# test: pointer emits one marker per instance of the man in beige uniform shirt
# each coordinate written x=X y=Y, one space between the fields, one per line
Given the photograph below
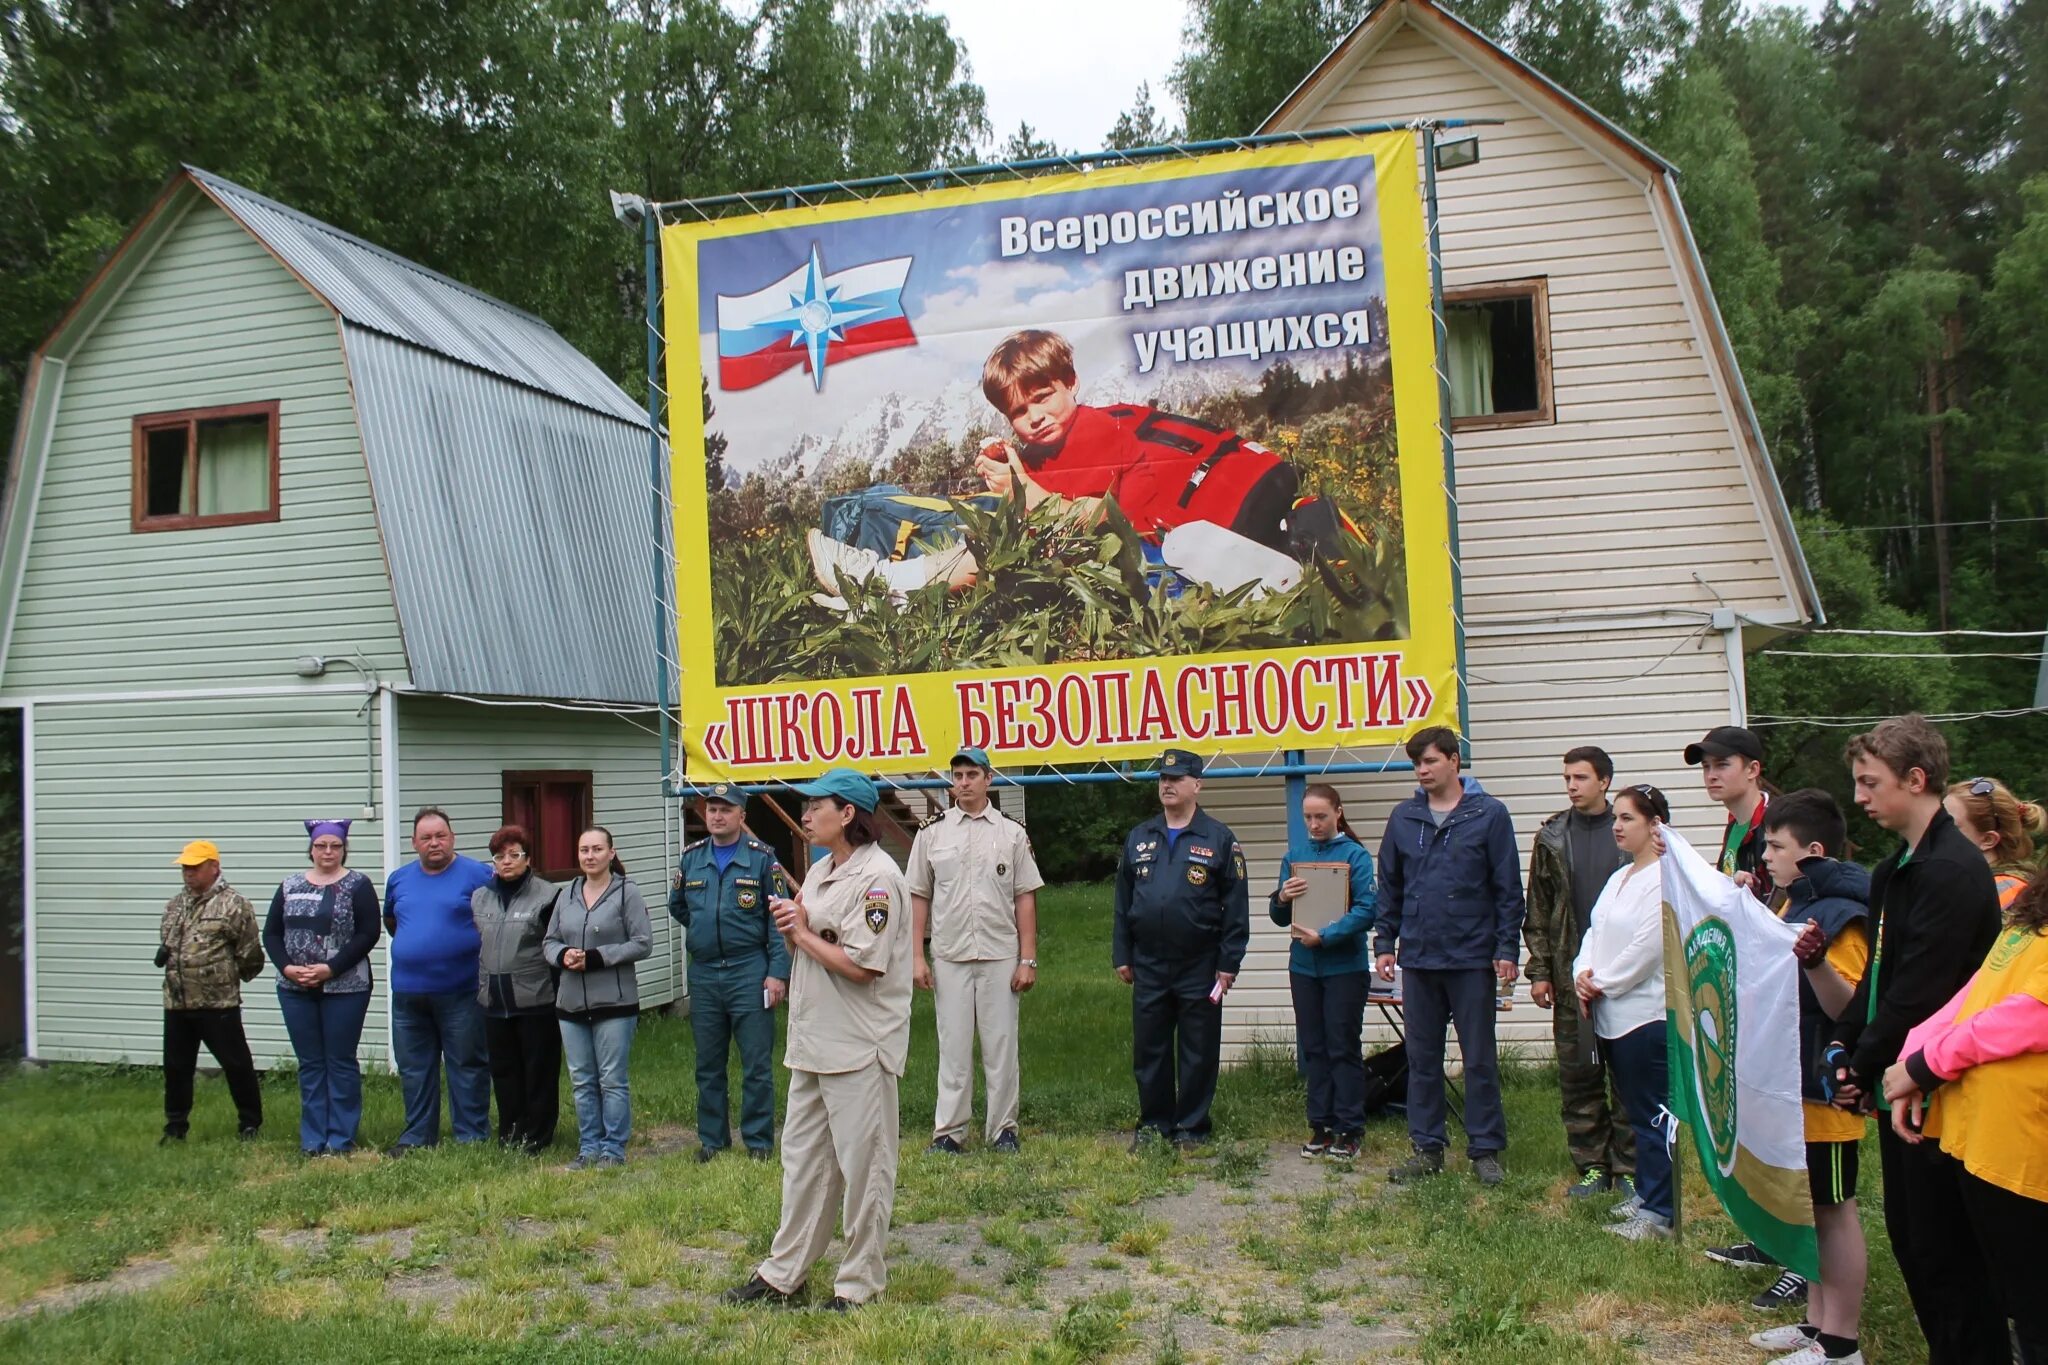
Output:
x=974 y=889
x=849 y=1033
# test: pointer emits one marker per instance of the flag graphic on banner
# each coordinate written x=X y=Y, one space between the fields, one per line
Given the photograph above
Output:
x=1731 y=1000
x=812 y=319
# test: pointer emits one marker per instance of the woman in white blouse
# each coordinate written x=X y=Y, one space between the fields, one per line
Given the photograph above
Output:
x=1619 y=974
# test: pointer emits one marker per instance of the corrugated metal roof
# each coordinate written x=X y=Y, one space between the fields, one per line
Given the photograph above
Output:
x=383 y=292
x=522 y=554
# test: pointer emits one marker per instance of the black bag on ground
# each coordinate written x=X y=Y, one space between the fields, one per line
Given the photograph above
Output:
x=1386 y=1078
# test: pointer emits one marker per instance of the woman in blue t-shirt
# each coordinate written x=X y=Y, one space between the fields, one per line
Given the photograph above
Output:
x=1329 y=970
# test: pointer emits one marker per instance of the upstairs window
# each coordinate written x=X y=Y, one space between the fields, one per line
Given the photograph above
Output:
x=206 y=467
x=554 y=809
x=1499 y=354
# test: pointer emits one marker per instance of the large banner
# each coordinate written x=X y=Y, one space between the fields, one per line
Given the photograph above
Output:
x=1068 y=468
x=1731 y=999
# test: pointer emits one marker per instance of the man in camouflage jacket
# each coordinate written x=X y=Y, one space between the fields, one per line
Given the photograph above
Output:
x=1575 y=853
x=208 y=945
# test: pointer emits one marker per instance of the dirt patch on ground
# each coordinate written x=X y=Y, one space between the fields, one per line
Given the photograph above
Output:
x=139 y=1274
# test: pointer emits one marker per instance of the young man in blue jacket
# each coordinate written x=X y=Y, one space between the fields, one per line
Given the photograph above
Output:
x=1450 y=911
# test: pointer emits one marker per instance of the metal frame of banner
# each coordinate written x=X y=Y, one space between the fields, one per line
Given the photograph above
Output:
x=668 y=667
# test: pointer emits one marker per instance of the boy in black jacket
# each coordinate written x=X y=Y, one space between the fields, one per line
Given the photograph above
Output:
x=1937 y=915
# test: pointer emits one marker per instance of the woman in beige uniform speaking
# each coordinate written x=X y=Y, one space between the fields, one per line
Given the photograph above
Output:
x=849 y=1032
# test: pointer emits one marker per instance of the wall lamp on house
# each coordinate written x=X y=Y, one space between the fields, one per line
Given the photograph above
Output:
x=316 y=666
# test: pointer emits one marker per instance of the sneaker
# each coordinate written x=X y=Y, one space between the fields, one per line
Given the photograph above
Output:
x=1487 y=1170
x=758 y=1290
x=1627 y=1208
x=1790 y=1337
x=945 y=1144
x=609 y=1162
x=760 y=1154
x=1743 y=1256
x=839 y=1303
x=1422 y=1163
x=1593 y=1182
x=1317 y=1144
x=1146 y=1137
x=1343 y=1149
x=1006 y=1141
x=1812 y=1354
x=583 y=1162
x=832 y=560
x=1787 y=1291
x=1643 y=1227
x=1625 y=1186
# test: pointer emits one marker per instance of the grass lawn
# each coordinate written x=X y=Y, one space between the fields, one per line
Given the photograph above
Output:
x=114 y=1249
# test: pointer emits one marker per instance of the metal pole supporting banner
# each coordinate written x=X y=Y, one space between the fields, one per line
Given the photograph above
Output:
x=657 y=479
x=1443 y=400
x=1297 y=786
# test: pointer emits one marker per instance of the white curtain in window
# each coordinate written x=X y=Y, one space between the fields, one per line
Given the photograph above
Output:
x=1471 y=360
x=234 y=466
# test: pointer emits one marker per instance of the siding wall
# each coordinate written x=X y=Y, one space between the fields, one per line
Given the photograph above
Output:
x=454 y=755
x=1608 y=511
x=120 y=787
x=212 y=320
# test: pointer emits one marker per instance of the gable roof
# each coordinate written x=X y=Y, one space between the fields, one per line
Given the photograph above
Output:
x=374 y=288
x=1350 y=51
x=1301 y=107
x=509 y=474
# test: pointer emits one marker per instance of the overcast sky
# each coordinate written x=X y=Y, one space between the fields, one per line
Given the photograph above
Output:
x=1069 y=67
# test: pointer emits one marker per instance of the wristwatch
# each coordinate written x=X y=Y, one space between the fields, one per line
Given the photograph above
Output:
x=1030 y=962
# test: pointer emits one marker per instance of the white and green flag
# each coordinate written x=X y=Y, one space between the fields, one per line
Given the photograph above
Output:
x=1731 y=1002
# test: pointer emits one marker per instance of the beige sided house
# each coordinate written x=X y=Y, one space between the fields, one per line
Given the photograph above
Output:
x=1623 y=536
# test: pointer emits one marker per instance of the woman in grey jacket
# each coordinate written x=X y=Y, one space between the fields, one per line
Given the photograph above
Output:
x=600 y=929
x=516 y=987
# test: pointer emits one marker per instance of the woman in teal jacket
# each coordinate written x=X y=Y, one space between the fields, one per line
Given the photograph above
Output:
x=1329 y=973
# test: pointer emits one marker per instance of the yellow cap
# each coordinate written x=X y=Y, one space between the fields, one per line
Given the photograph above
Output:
x=197 y=852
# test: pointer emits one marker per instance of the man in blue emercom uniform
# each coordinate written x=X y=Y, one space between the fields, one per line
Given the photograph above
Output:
x=739 y=969
x=1183 y=920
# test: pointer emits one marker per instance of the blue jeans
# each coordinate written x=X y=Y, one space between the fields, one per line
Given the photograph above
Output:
x=324 y=1028
x=1641 y=1075
x=597 y=1051
x=1433 y=1000
x=425 y=1029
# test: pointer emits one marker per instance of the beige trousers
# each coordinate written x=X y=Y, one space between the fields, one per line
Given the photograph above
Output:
x=971 y=996
x=839 y=1143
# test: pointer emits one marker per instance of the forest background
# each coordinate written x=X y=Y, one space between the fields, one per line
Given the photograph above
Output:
x=1869 y=187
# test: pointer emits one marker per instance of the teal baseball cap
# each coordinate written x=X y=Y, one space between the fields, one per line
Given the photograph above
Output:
x=978 y=757
x=856 y=789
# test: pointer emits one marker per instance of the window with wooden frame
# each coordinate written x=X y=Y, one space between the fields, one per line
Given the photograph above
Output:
x=205 y=467
x=1499 y=354
x=553 y=806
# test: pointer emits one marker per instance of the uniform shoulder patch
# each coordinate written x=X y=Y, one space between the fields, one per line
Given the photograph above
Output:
x=756 y=844
x=696 y=843
x=877 y=913
x=934 y=818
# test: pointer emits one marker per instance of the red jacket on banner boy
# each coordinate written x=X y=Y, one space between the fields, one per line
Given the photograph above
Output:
x=1163 y=470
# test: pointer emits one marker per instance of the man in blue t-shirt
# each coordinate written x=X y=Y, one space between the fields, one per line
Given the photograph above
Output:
x=435 y=1014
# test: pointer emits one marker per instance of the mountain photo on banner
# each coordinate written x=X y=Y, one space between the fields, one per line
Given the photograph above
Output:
x=939 y=449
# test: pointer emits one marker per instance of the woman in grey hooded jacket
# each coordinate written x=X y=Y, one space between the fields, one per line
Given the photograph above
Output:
x=516 y=987
x=599 y=930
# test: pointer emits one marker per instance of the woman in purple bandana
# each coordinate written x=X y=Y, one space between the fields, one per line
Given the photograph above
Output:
x=321 y=927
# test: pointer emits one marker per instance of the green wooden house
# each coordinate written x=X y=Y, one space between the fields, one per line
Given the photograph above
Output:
x=295 y=527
